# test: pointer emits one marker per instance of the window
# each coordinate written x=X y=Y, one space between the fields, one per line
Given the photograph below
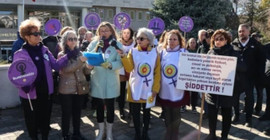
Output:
x=110 y=13
x=140 y=15
x=132 y=14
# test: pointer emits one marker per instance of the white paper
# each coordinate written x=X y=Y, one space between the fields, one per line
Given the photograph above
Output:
x=150 y=104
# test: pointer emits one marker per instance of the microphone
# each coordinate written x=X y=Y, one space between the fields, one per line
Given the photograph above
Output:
x=101 y=42
x=114 y=44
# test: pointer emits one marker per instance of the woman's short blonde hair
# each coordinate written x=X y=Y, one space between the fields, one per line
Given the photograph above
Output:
x=27 y=26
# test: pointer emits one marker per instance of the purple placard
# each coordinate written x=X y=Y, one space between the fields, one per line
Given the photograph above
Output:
x=122 y=20
x=157 y=25
x=92 y=20
x=52 y=27
x=22 y=73
x=185 y=24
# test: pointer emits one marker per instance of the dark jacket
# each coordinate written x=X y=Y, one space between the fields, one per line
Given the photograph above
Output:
x=204 y=48
x=52 y=43
x=250 y=60
x=16 y=45
x=267 y=64
x=220 y=100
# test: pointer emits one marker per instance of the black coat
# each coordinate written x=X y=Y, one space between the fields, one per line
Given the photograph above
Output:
x=220 y=100
x=266 y=49
x=204 y=48
x=250 y=61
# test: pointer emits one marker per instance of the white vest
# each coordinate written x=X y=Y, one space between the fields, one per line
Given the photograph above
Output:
x=142 y=77
x=169 y=69
x=126 y=50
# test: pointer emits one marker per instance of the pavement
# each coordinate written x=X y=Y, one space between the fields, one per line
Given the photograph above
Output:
x=12 y=125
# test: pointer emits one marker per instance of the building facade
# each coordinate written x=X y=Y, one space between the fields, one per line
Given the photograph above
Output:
x=69 y=12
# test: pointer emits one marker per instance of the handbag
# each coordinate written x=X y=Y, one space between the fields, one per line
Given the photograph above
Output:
x=82 y=86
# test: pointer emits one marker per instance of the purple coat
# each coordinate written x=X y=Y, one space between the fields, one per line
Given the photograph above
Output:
x=50 y=63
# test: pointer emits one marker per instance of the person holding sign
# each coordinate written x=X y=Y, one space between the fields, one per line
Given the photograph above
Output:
x=143 y=63
x=36 y=97
x=220 y=45
x=171 y=99
x=105 y=78
x=73 y=77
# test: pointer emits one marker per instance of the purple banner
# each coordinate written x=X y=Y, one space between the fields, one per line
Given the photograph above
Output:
x=185 y=24
x=22 y=73
x=92 y=20
x=52 y=27
x=122 y=20
x=157 y=25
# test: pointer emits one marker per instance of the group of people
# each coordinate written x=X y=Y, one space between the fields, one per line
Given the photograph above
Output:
x=135 y=60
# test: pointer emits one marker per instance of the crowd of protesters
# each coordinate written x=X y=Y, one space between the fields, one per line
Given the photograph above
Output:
x=133 y=61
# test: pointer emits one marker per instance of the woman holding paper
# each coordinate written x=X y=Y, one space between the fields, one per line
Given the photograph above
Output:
x=143 y=63
x=171 y=99
x=37 y=114
x=73 y=77
x=220 y=45
x=105 y=78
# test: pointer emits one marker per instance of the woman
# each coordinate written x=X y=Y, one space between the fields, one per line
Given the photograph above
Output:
x=192 y=48
x=105 y=78
x=128 y=43
x=170 y=98
x=42 y=88
x=143 y=63
x=70 y=76
x=220 y=45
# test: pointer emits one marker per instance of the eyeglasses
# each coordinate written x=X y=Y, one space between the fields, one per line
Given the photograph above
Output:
x=219 y=39
x=35 y=33
x=104 y=31
x=173 y=39
x=72 y=39
x=140 y=38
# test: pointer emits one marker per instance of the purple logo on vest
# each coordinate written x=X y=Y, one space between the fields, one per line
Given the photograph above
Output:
x=144 y=70
x=92 y=20
x=157 y=25
x=22 y=73
x=52 y=27
x=185 y=24
x=122 y=20
x=170 y=71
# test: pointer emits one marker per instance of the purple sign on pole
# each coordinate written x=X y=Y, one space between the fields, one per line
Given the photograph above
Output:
x=185 y=24
x=92 y=20
x=52 y=27
x=122 y=20
x=22 y=73
x=157 y=25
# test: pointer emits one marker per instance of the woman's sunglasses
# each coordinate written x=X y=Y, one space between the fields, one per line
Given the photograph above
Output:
x=72 y=39
x=35 y=33
x=220 y=39
x=140 y=38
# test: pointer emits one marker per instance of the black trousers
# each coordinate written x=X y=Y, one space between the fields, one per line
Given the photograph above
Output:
x=226 y=120
x=109 y=107
x=172 y=122
x=259 y=91
x=71 y=108
x=244 y=85
x=194 y=98
x=136 y=109
x=121 y=98
x=39 y=118
x=267 y=110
